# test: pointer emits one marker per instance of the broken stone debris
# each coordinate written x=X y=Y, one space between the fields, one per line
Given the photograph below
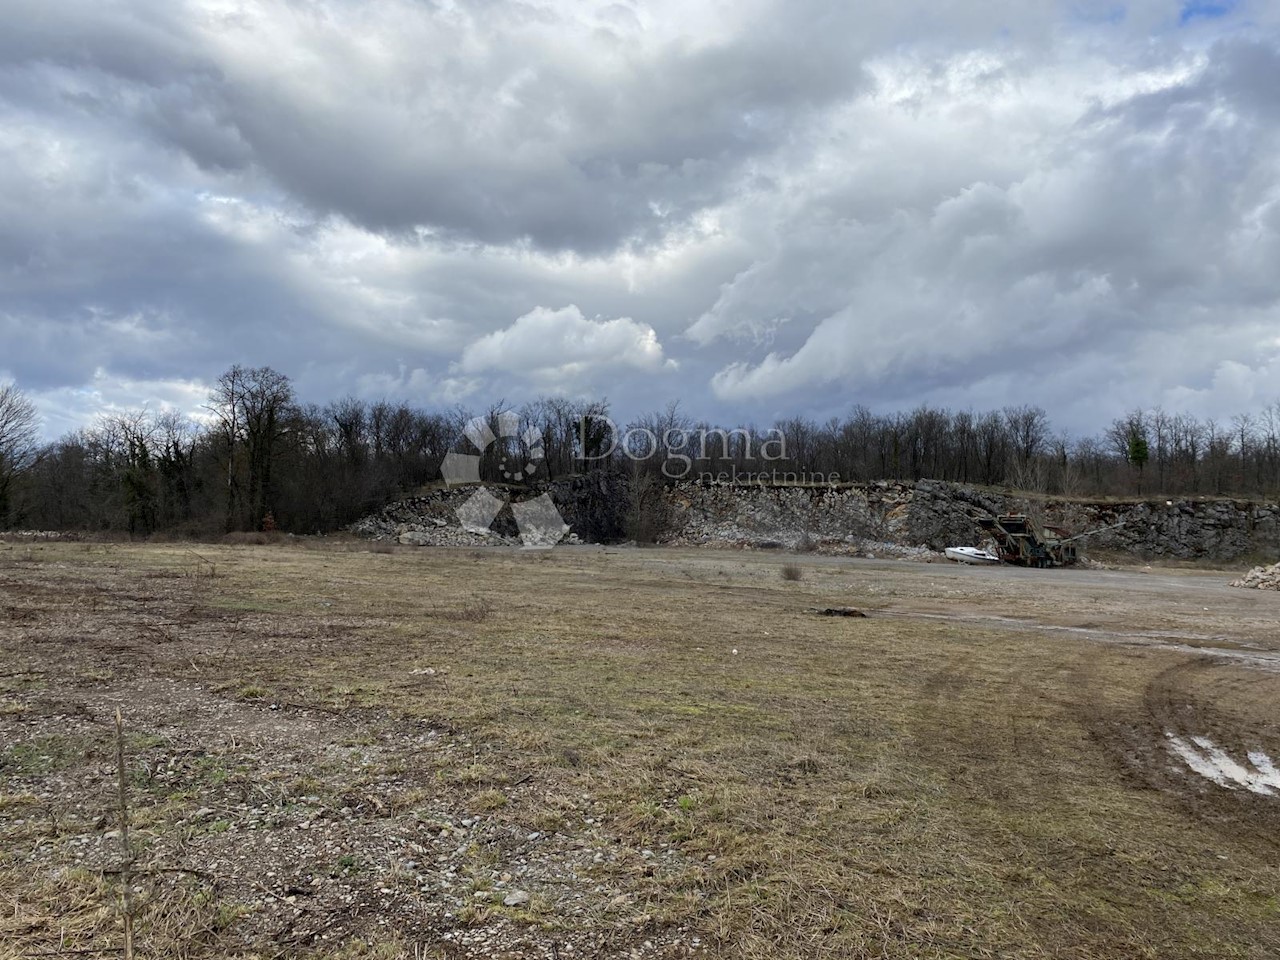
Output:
x=1260 y=578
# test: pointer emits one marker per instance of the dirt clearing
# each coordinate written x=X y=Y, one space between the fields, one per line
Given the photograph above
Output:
x=620 y=753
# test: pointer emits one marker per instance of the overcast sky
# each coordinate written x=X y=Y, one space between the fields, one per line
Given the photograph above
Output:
x=761 y=207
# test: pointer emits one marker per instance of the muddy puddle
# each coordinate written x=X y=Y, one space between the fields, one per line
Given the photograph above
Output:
x=1255 y=772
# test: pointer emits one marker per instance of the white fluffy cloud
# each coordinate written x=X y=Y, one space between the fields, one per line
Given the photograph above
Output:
x=558 y=348
x=758 y=207
x=66 y=409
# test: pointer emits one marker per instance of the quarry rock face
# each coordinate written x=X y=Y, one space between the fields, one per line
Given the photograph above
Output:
x=1183 y=529
x=1176 y=529
x=870 y=520
x=884 y=518
x=931 y=515
x=942 y=515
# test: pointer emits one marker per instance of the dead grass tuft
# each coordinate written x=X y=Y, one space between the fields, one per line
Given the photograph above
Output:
x=487 y=800
x=77 y=911
x=471 y=610
x=254 y=538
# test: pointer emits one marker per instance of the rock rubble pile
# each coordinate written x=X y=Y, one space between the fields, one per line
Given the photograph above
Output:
x=431 y=521
x=593 y=506
x=1260 y=578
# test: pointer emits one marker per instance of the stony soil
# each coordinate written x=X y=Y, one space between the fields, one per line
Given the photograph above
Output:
x=316 y=826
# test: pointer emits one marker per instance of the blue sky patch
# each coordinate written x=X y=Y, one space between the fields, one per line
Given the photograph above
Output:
x=1206 y=9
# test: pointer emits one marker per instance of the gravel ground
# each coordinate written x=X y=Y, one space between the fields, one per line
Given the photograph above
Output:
x=316 y=826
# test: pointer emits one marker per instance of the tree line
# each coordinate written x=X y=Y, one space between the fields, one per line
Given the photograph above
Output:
x=258 y=458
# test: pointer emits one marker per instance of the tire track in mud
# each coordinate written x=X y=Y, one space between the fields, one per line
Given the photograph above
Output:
x=1220 y=691
x=1179 y=642
x=1203 y=697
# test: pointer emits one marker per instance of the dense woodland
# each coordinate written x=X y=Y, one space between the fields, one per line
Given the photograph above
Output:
x=258 y=457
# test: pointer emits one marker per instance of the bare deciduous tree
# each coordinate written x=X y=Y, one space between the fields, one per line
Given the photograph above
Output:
x=251 y=407
x=18 y=443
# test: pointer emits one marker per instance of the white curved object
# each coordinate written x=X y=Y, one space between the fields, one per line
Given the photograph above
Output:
x=970 y=555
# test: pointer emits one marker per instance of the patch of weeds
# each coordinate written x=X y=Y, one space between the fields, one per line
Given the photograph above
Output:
x=546 y=821
x=137 y=742
x=646 y=814
x=348 y=863
x=12 y=801
x=792 y=572
x=538 y=912
x=481 y=879
x=304 y=787
x=475 y=914
x=489 y=800
x=42 y=756
x=408 y=799
x=226 y=915
x=213 y=770
x=401 y=876
x=160 y=815
x=251 y=692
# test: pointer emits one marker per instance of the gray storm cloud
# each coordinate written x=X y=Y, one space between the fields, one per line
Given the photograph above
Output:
x=765 y=207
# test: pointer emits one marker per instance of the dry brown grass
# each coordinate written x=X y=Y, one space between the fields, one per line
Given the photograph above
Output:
x=924 y=783
x=254 y=538
x=469 y=610
x=177 y=916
